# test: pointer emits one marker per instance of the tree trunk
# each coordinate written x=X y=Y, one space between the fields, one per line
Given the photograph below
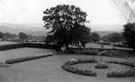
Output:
x=67 y=46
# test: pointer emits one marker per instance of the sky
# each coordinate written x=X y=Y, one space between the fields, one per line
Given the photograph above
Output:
x=31 y=11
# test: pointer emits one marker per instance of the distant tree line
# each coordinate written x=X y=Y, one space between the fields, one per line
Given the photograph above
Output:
x=23 y=37
x=113 y=37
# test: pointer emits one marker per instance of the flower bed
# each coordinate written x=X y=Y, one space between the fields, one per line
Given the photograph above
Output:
x=17 y=60
x=68 y=67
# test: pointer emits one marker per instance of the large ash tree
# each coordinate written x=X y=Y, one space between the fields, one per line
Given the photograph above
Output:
x=67 y=24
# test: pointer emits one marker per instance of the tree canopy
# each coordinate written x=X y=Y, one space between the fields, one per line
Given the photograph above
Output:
x=22 y=36
x=1 y=34
x=113 y=37
x=129 y=34
x=67 y=24
x=94 y=37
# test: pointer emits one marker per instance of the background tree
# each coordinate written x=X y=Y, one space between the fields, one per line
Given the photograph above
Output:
x=129 y=34
x=1 y=35
x=94 y=37
x=8 y=36
x=113 y=37
x=22 y=36
x=67 y=25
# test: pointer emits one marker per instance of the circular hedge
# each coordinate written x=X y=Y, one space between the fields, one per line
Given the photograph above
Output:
x=68 y=66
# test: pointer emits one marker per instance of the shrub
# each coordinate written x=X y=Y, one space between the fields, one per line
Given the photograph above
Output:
x=101 y=65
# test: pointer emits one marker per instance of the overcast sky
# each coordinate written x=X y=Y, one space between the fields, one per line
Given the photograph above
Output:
x=31 y=11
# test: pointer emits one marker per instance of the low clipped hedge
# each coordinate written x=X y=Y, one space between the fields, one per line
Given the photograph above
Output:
x=17 y=60
x=117 y=53
x=10 y=46
x=82 y=51
x=31 y=45
x=120 y=73
x=68 y=67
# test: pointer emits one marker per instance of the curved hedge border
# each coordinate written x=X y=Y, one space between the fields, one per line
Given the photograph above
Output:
x=119 y=73
x=114 y=73
x=68 y=67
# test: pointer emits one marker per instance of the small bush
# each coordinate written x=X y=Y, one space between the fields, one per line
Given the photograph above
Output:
x=101 y=65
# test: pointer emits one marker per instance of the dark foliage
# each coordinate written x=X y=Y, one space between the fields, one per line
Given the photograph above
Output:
x=114 y=37
x=67 y=25
x=94 y=37
x=23 y=36
x=129 y=34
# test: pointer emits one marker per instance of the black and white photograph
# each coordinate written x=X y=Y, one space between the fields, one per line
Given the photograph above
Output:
x=67 y=40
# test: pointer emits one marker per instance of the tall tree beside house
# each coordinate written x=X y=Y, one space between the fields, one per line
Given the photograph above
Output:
x=67 y=24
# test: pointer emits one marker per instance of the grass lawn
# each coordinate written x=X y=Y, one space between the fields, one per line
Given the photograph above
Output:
x=49 y=69
x=21 y=52
x=7 y=42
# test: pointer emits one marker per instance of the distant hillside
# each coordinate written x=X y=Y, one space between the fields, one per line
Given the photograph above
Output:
x=38 y=29
x=33 y=29
x=103 y=33
x=100 y=27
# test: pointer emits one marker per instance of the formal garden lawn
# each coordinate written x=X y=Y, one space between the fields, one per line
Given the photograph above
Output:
x=21 y=52
x=49 y=69
x=7 y=42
